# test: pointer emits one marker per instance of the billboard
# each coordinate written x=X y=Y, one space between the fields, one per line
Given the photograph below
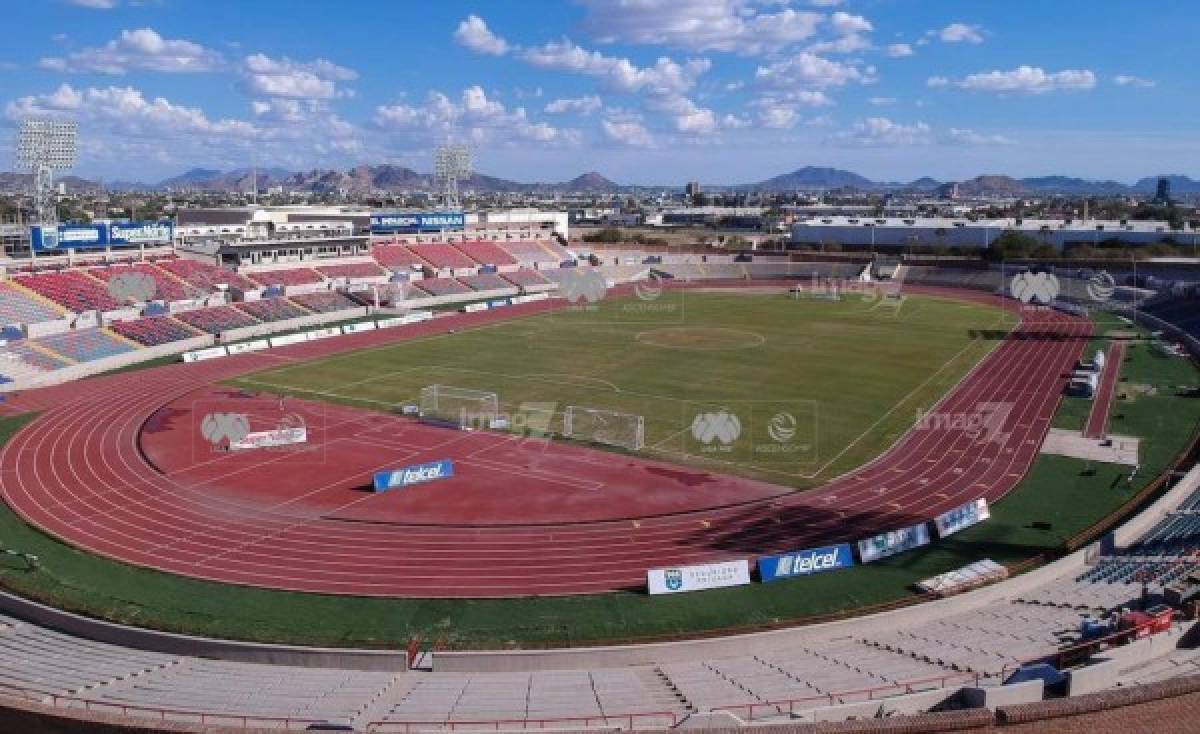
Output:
x=415 y=474
x=416 y=222
x=270 y=439
x=964 y=516
x=805 y=562
x=68 y=237
x=141 y=233
x=893 y=542
x=698 y=578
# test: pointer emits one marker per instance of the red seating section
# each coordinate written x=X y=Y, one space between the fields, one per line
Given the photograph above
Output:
x=525 y=278
x=486 y=253
x=326 y=302
x=72 y=289
x=169 y=288
x=218 y=319
x=273 y=309
x=484 y=282
x=441 y=286
x=352 y=270
x=442 y=256
x=396 y=257
x=206 y=276
x=291 y=276
x=153 y=330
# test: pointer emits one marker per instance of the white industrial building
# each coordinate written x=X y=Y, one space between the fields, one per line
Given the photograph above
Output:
x=849 y=231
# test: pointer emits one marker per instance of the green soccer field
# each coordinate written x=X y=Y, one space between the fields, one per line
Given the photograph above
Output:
x=847 y=378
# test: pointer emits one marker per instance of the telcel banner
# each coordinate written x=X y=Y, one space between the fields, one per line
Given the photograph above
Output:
x=805 y=562
x=415 y=474
x=961 y=517
x=698 y=578
x=893 y=542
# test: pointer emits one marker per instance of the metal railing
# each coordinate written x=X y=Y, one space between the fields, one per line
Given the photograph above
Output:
x=656 y=719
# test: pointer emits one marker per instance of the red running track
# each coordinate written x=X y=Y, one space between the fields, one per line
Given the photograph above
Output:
x=1106 y=392
x=79 y=473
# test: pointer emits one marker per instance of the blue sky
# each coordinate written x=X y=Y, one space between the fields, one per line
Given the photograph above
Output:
x=647 y=91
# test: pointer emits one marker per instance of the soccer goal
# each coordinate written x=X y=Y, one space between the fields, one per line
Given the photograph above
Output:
x=459 y=406
x=605 y=426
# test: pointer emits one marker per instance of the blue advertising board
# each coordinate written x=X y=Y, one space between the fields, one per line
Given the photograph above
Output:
x=893 y=542
x=415 y=474
x=416 y=222
x=805 y=562
x=68 y=237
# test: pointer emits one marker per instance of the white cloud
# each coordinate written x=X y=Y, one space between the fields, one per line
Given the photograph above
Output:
x=733 y=122
x=732 y=26
x=95 y=4
x=141 y=49
x=473 y=33
x=664 y=77
x=1023 y=79
x=882 y=101
x=585 y=105
x=845 y=24
x=880 y=131
x=687 y=117
x=900 y=50
x=826 y=3
x=962 y=136
x=810 y=70
x=1127 y=80
x=295 y=80
x=481 y=119
x=627 y=132
x=960 y=33
x=937 y=82
x=776 y=114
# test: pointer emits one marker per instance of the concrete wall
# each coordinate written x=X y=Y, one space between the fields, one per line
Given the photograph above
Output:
x=165 y=642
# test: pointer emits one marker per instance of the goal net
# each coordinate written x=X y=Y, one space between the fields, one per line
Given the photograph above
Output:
x=459 y=406
x=604 y=426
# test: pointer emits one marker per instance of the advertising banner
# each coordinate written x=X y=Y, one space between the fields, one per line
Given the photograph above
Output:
x=893 y=542
x=271 y=439
x=141 y=233
x=805 y=562
x=69 y=237
x=698 y=578
x=255 y=346
x=324 y=333
x=415 y=474
x=200 y=355
x=283 y=341
x=355 y=328
x=416 y=222
x=949 y=523
x=473 y=307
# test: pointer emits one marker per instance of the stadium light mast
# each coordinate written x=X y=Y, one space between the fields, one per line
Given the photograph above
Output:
x=451 y=164
x=43 y=147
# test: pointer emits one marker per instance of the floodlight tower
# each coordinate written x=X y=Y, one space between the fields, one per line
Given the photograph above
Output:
x=43 y=147
x=451 y=164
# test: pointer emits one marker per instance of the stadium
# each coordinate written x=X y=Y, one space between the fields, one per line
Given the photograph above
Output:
x=339 y=468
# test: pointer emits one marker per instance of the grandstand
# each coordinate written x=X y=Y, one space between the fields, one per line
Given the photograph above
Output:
x=217 y=319
x=352 y=270
x=396 y=257
x=286 y=277
x=273 y=309
x=442 y=287
x=74 y=290
x=326 y=301
x=205 y=276
x=19 y=307
x=486 y=253
x=167 y=287
x=442 y=256
x=153 y=331
x=86 y=345
x=536 y=252
x=525 y=278
x=484 y=282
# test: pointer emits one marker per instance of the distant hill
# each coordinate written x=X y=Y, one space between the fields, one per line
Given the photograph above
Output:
x=813 y=178
x=1074 y=186
x=987 y=185
x=924 y=184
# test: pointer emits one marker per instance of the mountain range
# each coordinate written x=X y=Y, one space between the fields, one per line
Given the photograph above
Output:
x=394 y=178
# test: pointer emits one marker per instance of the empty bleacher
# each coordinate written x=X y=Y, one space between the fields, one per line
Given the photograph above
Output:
x=35 y=358
x=442 y=286
x=17 y=307
x=206 y=276
x=442 y=256
x=484 y=282
x=396 y=257
x=273 y=309
x=352 y=270
x=152 y=331
x=167 y=287
x=525 y=278
x=326 y=301
x=286 y=277
x=486 y=253
x=72 y=289
x=536 y=251
x=217 y=319
x=85 y=345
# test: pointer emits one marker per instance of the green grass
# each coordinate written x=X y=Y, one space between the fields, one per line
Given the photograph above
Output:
x=1064 y=493
x=853 y=373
